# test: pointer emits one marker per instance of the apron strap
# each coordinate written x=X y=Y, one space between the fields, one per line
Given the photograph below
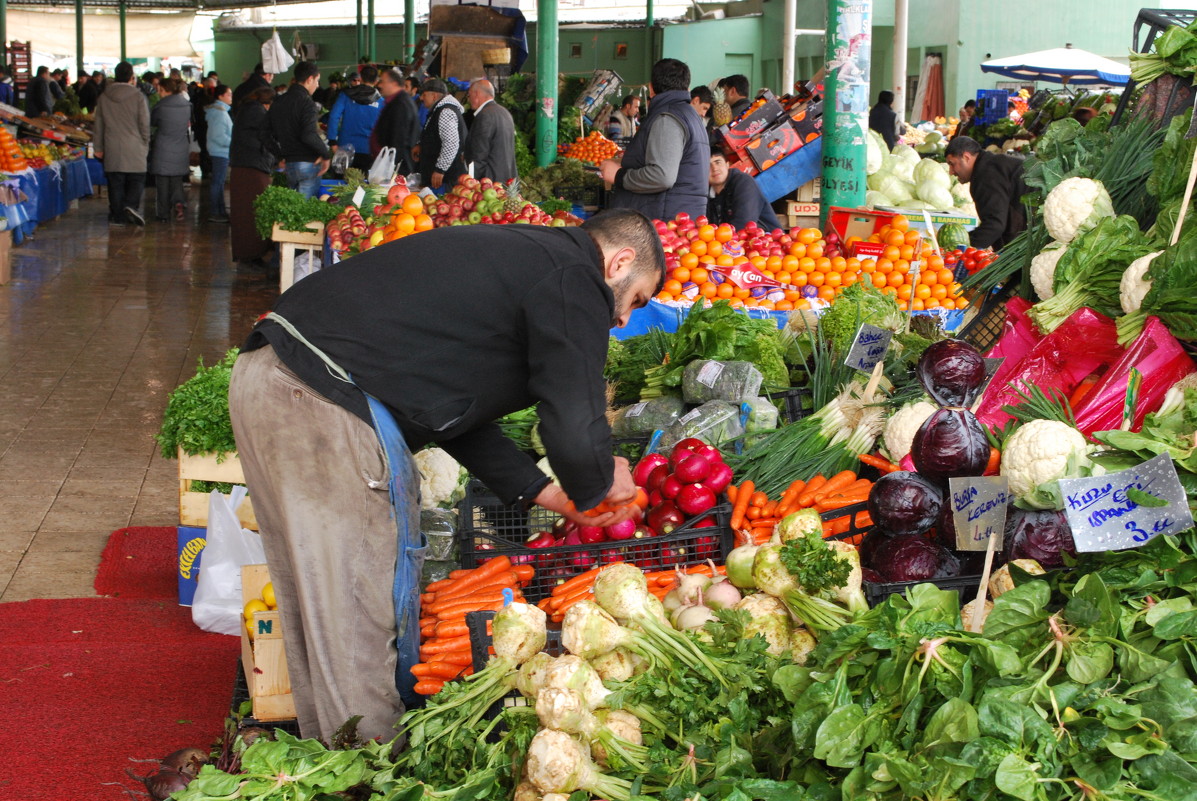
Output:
x=333 y=367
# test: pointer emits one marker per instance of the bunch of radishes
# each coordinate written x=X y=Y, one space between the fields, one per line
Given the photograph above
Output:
x=682 y=485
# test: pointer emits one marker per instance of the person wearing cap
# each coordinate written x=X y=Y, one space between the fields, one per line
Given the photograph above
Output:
x=443 y=140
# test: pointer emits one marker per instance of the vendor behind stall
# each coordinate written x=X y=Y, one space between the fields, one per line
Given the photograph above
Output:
x=359 y=364
x=736 y=198
x=995 y=180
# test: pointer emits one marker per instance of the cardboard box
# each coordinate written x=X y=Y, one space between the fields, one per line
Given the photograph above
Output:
x=191 y=541
x=264 y=657
x=862 y=223
x=193 y=506
x=938 y=218
x=744 y=165
x=735 y=136
x=793 y=207
x=773 y=144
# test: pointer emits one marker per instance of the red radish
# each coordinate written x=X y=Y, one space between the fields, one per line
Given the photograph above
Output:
x=665 y=518
x=573 y=537
x=621 y=531
x=656 y=477
x=563 y=527
x=591 y=534
x=719 y=477
x=645 y=466
x=673 y=555
x=643 y=532
x=695 y=499
x=710 y=453
x=706 y=547
x=686 y=447
x=582 y=560
x=692 y=469
x=611 y=555
x=655 y=498
x=670 y=487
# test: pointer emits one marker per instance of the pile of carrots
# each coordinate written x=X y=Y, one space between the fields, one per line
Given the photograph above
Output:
x=444 y=638
x=754 y=515
x=581 y=587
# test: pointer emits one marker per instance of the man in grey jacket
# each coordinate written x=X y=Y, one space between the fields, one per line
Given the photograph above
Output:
x=122 y=141
x=490 y=144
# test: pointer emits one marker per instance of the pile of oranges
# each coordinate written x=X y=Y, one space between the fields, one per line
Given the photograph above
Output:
x=592 y=148
x=409 y=219
x=905 y=254
x=12 y=159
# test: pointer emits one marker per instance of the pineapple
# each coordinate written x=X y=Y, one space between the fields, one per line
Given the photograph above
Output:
x=721 y=111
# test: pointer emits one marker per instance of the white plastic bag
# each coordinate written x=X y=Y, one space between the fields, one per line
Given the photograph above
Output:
x=382 y=171
x=217 y=605
x=275 y=58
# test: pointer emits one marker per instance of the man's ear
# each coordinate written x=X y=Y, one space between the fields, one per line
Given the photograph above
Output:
x=619 y=262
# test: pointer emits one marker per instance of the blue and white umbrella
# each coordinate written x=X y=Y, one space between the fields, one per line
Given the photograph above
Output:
x=1066 y=65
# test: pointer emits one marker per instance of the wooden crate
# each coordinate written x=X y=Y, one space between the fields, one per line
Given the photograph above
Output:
x=461 y=56
x=193 y=506
x=290 y=243
x=802 y=215
x=810 y=191
x=264 y=658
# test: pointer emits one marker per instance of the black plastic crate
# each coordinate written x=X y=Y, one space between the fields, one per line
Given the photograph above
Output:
x=966 y=586
x=857 y=527
x=984 y=330
x=630 y=448
x=480 y=639
x=795 y=402
x=584 y=196
x=1150 y=23
x=488 y=528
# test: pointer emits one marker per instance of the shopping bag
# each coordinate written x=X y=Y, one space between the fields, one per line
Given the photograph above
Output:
x=382 y=171
x=275 y=58
x=217 y=605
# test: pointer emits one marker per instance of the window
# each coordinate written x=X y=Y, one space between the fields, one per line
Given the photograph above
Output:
x=621 y=50
x=575 y=50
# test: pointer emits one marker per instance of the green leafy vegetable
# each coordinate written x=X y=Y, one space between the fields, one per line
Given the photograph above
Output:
x=817 y=567
x=197 y=413
x=290 y=210
x=859 y=305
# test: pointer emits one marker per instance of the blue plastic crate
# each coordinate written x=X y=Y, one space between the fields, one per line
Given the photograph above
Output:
x=992 y=105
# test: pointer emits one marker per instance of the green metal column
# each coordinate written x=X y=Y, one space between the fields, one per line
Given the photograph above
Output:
x=649 y=17
x=409 y=30
x=371 y=37
x=124 y=55
x=361 y=45
x=846 y=102
x=4 y=33
x=546 y=82
x=78 y=37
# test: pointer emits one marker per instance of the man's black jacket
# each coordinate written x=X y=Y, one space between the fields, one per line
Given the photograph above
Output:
x=292 y=119
x=741 y=202
x=459 y=326
x=997 y=188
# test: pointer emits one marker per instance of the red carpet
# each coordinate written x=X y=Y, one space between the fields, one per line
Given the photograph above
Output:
x=139 y=563
x=88 y=684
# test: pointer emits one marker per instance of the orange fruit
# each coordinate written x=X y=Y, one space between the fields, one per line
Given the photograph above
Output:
x=404 y=222
x=816 y=278
x=725 y=290
x=664 y=296
x=714 y=249
x=724 y=233
x=706 y=233
x=892 y=252
x=680 y=274
x=806 y=265
x=741 y=293
x=783 y=305
x=917 y=304
x=903 y=304
x=907 y=252
x=672 y=287
x=946 y=277
x=868 y=265
x=698 y=247
x=809 y=236
x=783 y=277
x=815 y=250
x=928 y=277
x=902 y=266
x=423 y=222
x=933 y=262
x=699 y=275
x=885 y=266
x=689 y=261
x=913 y=236
x=725 y=261
x=899 y=223
x=827 y=293
x=889 y=290
x=773 y=262
x=766 y=304
x=802 y=304
x=939 y=292
x=793 y=295
x=895 y=238
x=798 y=249
x=708 y=290
x=851 y=278
x=922 y=291
x=413 y=204
x=736 y=303
x=933 y=303
x=904 y=292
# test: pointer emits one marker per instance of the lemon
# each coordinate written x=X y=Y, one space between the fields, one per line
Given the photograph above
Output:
x=268 y=595
x=249 y=629
x=254 y=606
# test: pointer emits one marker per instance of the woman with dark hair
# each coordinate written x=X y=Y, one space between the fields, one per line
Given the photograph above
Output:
x=253 y=157
x=170 y=150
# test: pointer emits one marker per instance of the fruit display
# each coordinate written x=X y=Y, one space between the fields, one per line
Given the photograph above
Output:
x=42 y=154
x=484 y=202
x=266 y=603
x=592 y=148
x=12 y=159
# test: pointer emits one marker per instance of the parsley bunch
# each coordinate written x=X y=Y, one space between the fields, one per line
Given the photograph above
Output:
x=197 y=414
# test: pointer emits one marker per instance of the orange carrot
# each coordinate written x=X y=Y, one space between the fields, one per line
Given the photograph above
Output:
x=660 y=592
x=765 y=522
x=429 y=686
x=994 y=463
x=560 y=601
x=523 y=573
x=731 y=493
x=840 y=501
x=807 y=497
x=452 y=628
x=462 y=658
x=587 y=578
x=427 y=597
x=495 y=588
x=790 y=497
x=436 y=670
x=743 y=495
x=545 y=604
x=438 y=645
x=884 y=465
x=568 y=602
x=761 y=535
x=835 y=484
x=486 y=595
x=769 y=509
x=758 y=499
x=471 y=606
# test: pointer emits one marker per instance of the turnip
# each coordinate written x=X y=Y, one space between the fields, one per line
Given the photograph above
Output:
x=530 y=677
x=566 y=711
x=558 y=764
x=850 y=593
x=802 y=642
x=772 y=576
x=969 y=611
x=694 y=617
x=618 y=664
x=689 y=585
x=623 y=725
x=588 y=631
x=519 y=632
x=570 y=672
x=721 y=594
x=797 y=525
x=739 y=566
x=767 y=617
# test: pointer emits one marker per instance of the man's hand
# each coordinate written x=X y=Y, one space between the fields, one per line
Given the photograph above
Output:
x=623 y=488
x=436 y=179
x=323 y=164
x=415 y=152
x=608 y=169
x=98 y=154
x=623 y=491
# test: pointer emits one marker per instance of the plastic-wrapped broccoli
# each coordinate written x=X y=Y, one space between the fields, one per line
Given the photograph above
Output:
x=645 y=417
x=705 y=380
x=760 y=414
x=714 y=422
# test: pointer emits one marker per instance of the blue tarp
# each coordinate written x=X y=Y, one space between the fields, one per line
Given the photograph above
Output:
x=795 y=170
x=48 y=191
x=95 y=169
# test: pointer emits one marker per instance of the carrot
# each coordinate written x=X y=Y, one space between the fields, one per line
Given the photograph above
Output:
x=471 y=606
x=444 y=598
x=452 y=628
x=994 y=463
x=743 y=537
x=587 y=578
x=545 y=605
x=789 y=497
x=743 y=495
x=568 y=602
x=436 y=670
x=807 y=497
x=427 y=597
x=523 y=573
x=753 y=513
x=731 y=493
x=758 y=499
x=835 y=484
x=660 y=592
x=429 y=686
x=560 y=601
x=769 y=509
x=840 y=501
x=485 y=596
x=765 y=522
x=491 y=567
x=462 y=658
x=761 y=535
x=884 y=465
x=428 y=629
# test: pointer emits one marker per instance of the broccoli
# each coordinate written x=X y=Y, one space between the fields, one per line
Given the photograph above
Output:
x=855 y=306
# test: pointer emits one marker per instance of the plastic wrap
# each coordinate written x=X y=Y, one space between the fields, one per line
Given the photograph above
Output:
x=1084 y=343
x=759 y=415
x=1019 y=334
x=436 y=570
x=1162 y=361
x=645 y=417
x=439 y=527
x=713 y=423
x=707 y=380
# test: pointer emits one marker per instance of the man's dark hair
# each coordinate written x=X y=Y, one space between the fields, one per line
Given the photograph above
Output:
x=98 y=75
x=259 y=69
x=702 y=94
x=369 y=74
x=263 y=94
x=304 y=70
x=393 y=76
x=213 y=74
x=737 y=82
x=618 y=228
x=415 y=84
x=970 y=103
x=219 y=90
x=961 y=145
x=42 y=71
x=123 y=72
x=626 y=99
x=56 y=72
x=669 y=75
x=886 y=97
x=716 y=150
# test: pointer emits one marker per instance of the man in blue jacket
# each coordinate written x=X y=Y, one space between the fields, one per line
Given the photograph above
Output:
x=353 y=116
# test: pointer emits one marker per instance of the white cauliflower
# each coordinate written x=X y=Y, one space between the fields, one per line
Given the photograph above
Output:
x=442 y=479
x=1039 y=453
x=1075 y=206
x=1134 y=287
x=1043 y=269
x=901 y=427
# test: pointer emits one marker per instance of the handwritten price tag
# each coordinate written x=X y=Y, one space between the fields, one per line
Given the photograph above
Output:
x=868 y=348
x=1126 y=509
x=359 y=196
x=979 y=511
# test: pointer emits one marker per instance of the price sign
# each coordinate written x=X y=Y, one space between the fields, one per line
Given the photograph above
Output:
x=868 y=348
x=359 y=196
x=1126 y=509
x=991 y=368
x=979 y=511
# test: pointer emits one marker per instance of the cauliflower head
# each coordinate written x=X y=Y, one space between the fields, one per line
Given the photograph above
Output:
x=1134 y=285
x=1075 y=206
x=1037 y=455
x=442 y=479
x=1043 y=269
x=901 y=427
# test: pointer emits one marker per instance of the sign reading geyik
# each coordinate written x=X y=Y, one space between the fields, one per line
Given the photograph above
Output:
x=1126 y=509
x=979 y=511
